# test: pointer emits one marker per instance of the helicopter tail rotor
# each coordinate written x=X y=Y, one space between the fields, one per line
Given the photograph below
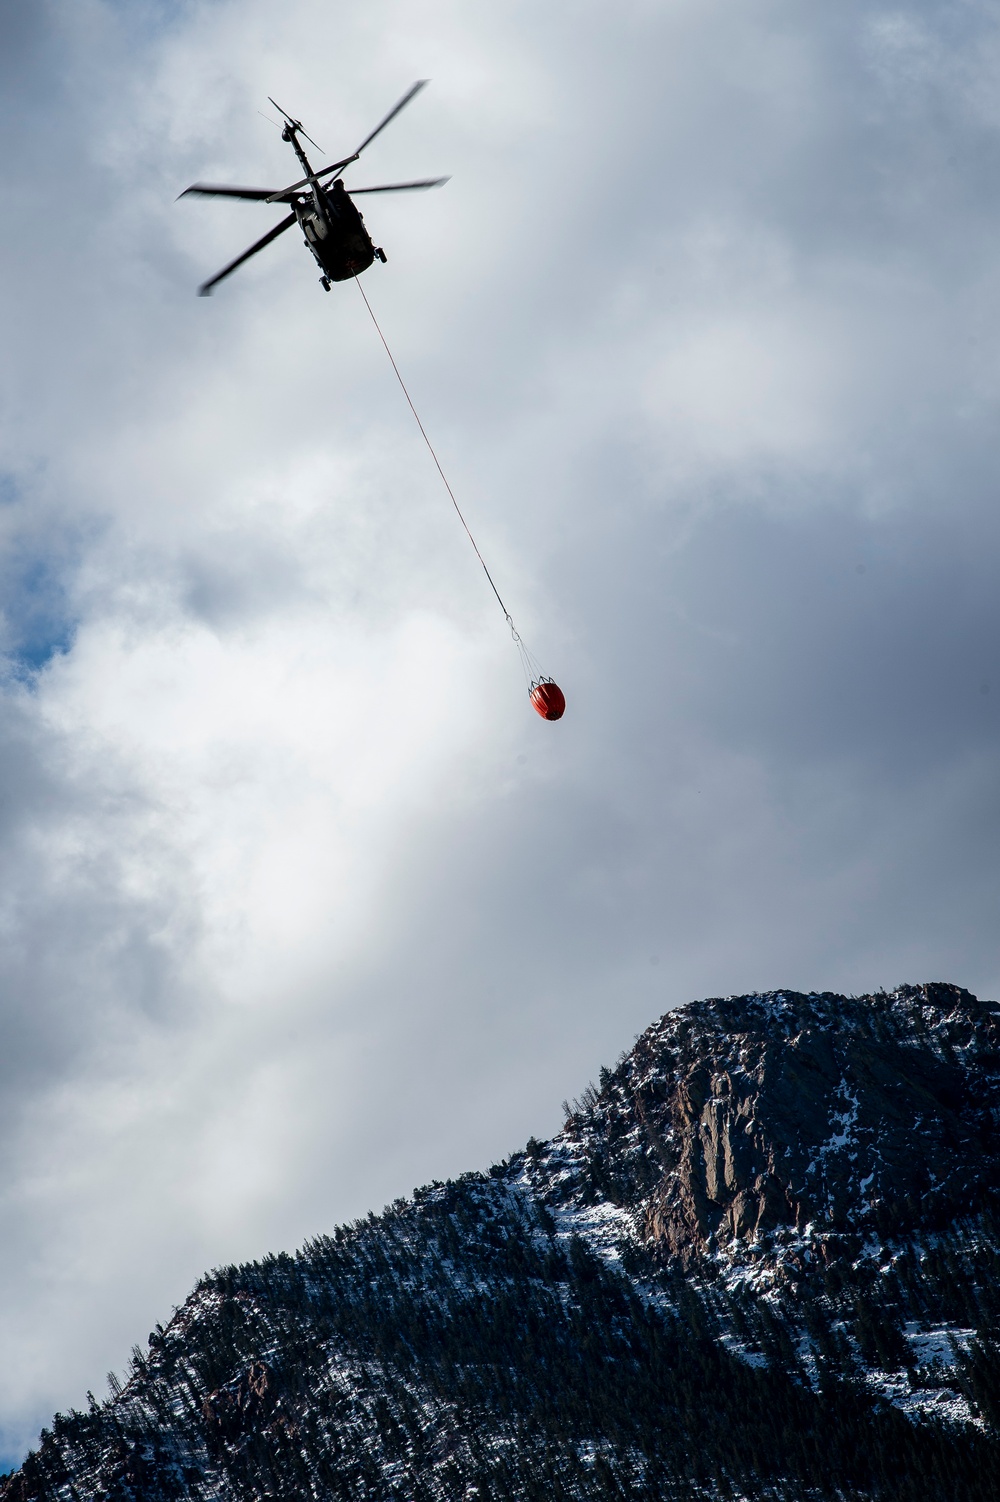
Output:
x=293 y=125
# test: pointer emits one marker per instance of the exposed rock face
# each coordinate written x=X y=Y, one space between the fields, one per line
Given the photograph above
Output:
x=242 y=1407
x=861 y=1115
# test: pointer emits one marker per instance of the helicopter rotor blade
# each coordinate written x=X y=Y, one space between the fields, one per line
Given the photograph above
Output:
x=295 y=124
x=205 y=289
x=401 y=104
x=337 y=166
x=223 y=190
x=305 y=181
x=422 y=182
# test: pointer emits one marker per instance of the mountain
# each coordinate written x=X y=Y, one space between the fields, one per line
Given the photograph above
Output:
x=761 y=1260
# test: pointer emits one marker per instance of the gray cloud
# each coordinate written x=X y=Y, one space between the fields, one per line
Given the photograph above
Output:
x=304 y=906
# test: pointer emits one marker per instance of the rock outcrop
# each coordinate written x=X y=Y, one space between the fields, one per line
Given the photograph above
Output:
x=867 y=1116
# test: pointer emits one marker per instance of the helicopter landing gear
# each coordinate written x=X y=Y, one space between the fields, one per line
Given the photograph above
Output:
x=381 y=254
x=324 y=282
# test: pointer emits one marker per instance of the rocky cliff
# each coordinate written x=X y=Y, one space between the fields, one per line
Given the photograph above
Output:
x=762 y=1259
x=734 y=1117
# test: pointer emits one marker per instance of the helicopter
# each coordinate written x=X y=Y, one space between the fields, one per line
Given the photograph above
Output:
x=333 y=228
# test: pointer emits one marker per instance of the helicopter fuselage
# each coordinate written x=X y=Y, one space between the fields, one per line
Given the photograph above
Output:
x=334 y=231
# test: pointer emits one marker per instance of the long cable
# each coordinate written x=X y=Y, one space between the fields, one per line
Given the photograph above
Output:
x=527 y=660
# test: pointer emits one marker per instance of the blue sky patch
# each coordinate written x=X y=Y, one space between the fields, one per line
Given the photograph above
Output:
x=37 y=622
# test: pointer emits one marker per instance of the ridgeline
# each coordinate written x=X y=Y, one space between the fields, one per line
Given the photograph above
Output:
x=761 y=1260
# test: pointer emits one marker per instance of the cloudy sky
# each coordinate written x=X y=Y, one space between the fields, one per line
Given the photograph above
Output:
x=302 y=905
